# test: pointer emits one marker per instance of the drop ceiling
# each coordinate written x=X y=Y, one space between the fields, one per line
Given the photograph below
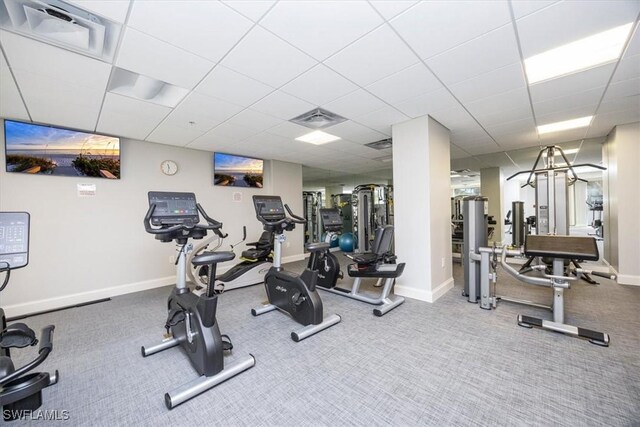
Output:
x=250 y=66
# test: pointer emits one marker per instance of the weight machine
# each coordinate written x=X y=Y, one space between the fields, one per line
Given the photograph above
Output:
x=342 y=202
x=373 y=209
x=311 y=204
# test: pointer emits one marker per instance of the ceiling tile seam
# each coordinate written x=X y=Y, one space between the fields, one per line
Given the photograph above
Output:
x=613 y=72
x=15 y=81
x=439 y=79
x=113 y=66
x=397 y=15
x=538 y=10
x=524 y=72
x=254 y=24
x=224 y=2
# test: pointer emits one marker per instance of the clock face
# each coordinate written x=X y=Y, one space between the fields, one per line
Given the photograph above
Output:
x=169 y=167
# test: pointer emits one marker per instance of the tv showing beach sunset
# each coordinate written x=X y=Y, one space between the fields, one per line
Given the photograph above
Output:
x=237 y=171
x=47 y=150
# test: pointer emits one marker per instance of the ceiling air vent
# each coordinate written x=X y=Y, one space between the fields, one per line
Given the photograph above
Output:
x=62 y=24
x=380 y=145
x=318 y=119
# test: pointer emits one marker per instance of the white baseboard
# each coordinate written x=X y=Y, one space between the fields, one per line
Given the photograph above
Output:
x=83 y=297
x=423 y=294
x=628 y=279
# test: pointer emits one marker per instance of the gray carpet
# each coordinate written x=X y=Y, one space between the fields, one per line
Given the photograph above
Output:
x=448 y=363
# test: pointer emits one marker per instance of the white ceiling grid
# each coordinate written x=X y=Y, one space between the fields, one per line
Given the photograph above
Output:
x=250 y=66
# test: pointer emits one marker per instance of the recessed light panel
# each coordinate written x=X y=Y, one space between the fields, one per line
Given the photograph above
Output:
x=318 y=138
x=579 y=55
x=566 y=125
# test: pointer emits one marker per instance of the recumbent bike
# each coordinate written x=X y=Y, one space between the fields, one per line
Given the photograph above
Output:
x=290 y=293
x=191 y=322
x=20 y=389
x=379 y=264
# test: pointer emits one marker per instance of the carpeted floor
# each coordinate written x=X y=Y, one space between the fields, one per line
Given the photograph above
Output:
x=448 y=363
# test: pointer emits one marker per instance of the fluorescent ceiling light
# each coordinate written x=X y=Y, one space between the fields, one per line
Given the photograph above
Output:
x=317 y=137
x=577 y=56
x=566 y=125
x=455 y=176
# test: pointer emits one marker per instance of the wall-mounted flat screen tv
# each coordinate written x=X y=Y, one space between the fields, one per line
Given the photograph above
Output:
x=47 y=150
x=237 y=171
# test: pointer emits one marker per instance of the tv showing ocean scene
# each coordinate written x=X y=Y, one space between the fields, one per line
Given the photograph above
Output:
x=237 y=171
x=47 y=150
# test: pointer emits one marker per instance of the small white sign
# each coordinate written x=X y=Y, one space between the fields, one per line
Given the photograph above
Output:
x=86 y=190
x=237 y=196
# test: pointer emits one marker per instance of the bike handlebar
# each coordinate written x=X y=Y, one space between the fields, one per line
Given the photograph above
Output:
x=212 y=224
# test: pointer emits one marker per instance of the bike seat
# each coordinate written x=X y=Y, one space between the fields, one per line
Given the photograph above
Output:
x=18 y=335
x=319 y=246
x=208 y=258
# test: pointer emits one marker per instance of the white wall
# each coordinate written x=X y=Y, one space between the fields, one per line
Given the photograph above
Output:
x=621 y=187
x=286 y=182
x=422 y=208
x=84 y=249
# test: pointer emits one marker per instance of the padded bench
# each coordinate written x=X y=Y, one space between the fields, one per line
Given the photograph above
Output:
x=565 y=247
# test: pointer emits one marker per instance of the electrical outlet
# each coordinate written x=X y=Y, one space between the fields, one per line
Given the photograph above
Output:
x=172 y=259
x=288 y=244
x=442 y=262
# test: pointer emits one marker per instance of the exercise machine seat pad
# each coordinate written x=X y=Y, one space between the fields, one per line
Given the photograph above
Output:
x=366 y=258
x=209 y=258
x=320 y=246
x=17 y=335
x=354 y=270
x=565 y=247
x=256 y=253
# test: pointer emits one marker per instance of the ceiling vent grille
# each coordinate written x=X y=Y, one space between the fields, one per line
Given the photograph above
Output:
x=318 y=118
x=61 y=24
x=380 y=145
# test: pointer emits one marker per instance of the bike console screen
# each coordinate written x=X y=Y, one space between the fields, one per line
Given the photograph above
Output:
x=14 y=240
x=173 y=208
x=330 y=217
x=269 y=208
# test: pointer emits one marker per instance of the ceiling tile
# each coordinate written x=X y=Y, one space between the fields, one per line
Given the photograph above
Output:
x=603 y=123
x=571 y=84
x=205 y=112
x=266 y=58
x=191 y=25
x=566 y=114
x=211 y=142
x=232 y=132
x=587 y=97
x=355 y=104
x=493 y=50
x=494 y=82
x=373 y=57
x=381 y=120
x=289 y=130
x=319 y=85
x=282 y=105
x=627 y=69
x=151 y=57
x=356 y=132
x=226 y=84
x=115 y=10
x=432 y=27
x=11 y=105
x=43 y=96
x=254 y=120
x=395 y=88
x=568 y=135
x=516 y=100
x=128 y=117
x=456 y=118
x=622 y=89
x=568 y=21
x=173 y=135
x=525 y=7
x=427 y=103
x=392 y=8
x=52 y=62
x=253 y=10
x=482 y=148
x=321 y=28
x=513 y=127
x=631 y=102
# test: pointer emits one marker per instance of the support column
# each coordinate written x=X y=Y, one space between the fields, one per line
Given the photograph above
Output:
x=491 y=188
x=421 y=178
x=621 y=156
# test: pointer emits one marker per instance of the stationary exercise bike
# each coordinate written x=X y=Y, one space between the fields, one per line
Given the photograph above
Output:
x=323 y=261
x=191 y=322
x=20 y=391
x=254 y=264
x=290 y=293
x=379 y=264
